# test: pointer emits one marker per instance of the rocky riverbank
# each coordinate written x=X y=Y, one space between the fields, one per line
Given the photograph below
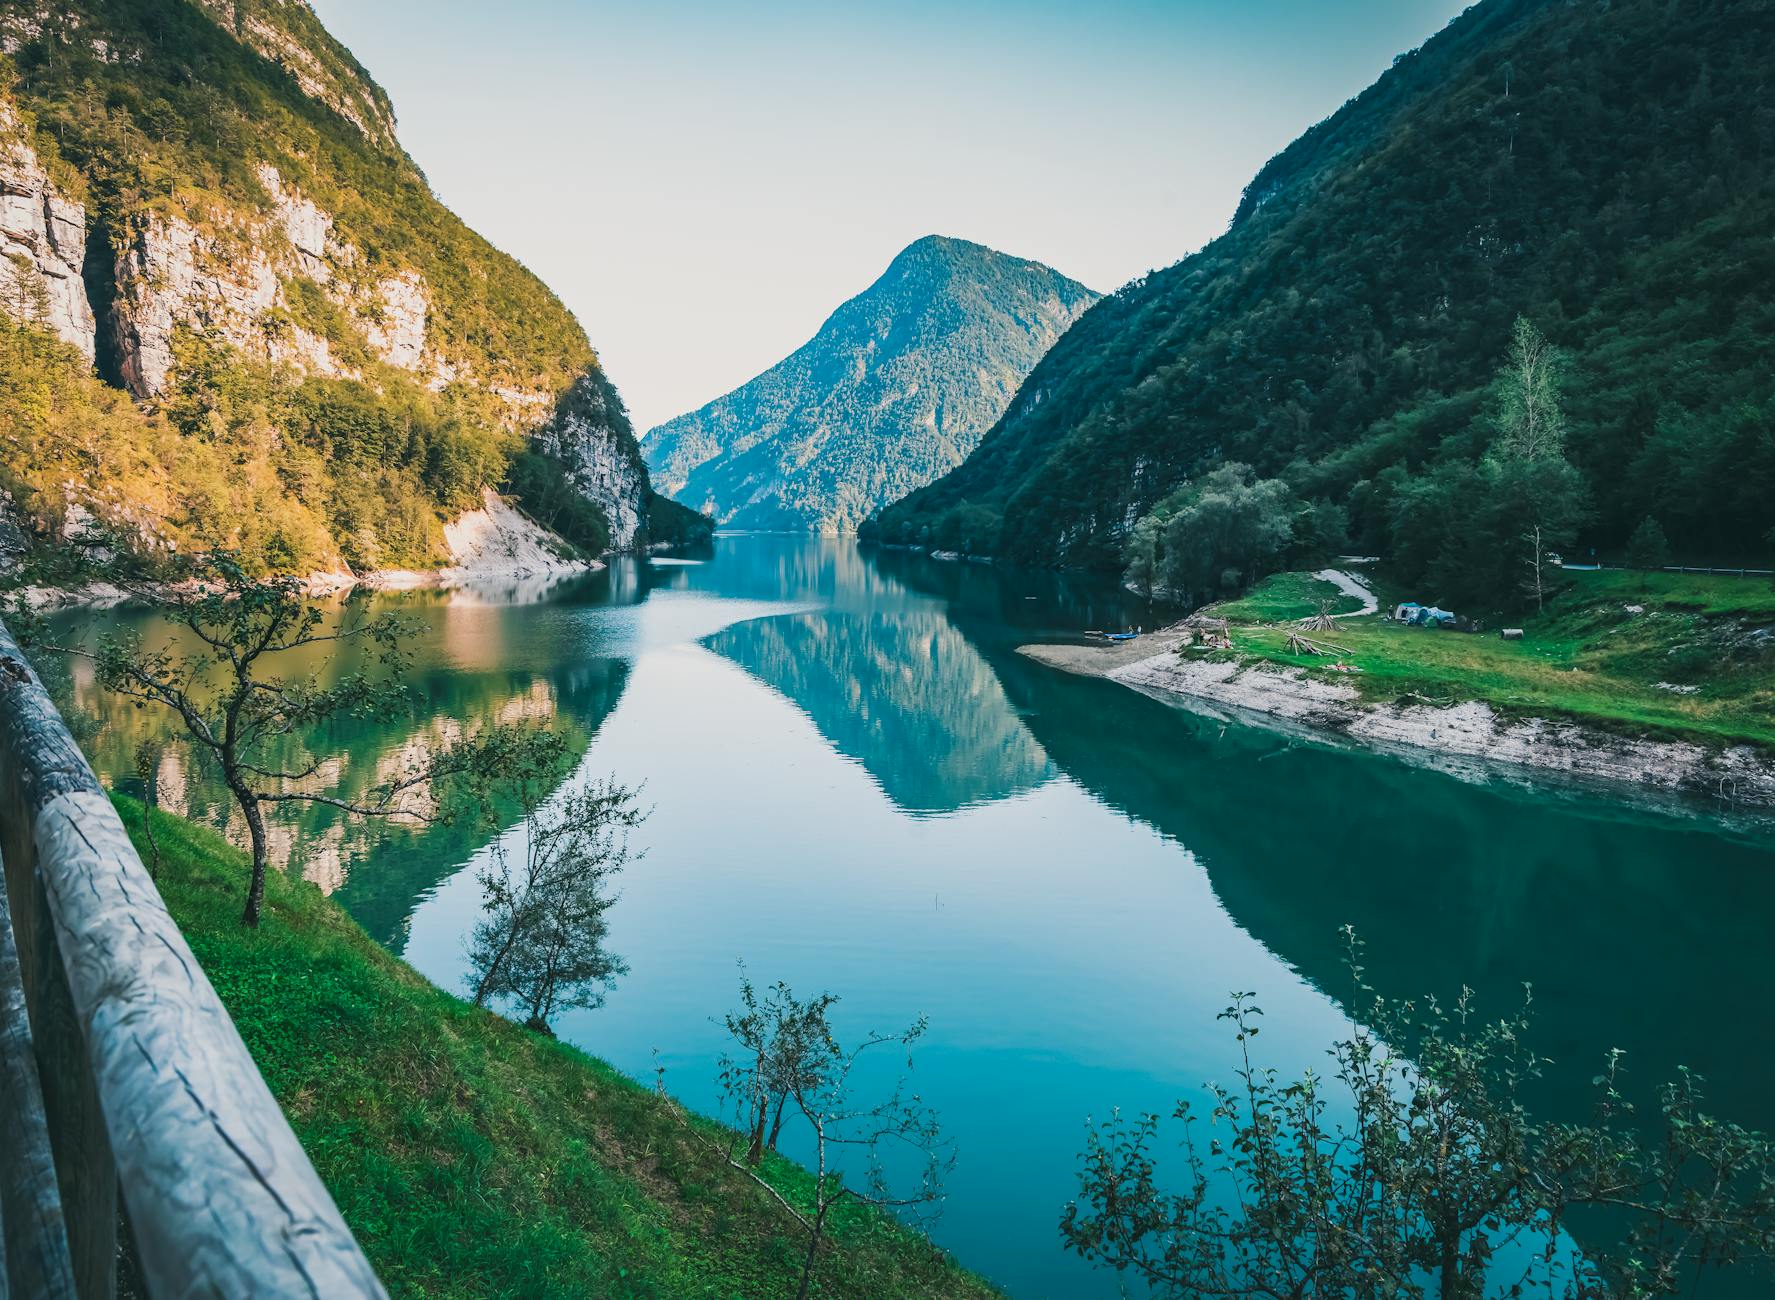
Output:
x=496 y=550
x=1468 y=738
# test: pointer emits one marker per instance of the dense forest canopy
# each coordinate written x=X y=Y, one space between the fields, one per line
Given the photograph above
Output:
x=1605 y=172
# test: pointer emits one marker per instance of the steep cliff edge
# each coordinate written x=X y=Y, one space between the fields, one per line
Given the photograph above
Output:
x=207 y=202
x=590 y=435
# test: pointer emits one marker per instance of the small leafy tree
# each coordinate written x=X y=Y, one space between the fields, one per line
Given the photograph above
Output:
x=1648 y=548
x=783 y=1042
x=541 y=938
x=238 y=710
x=1437 y=1171
x=791 y=1068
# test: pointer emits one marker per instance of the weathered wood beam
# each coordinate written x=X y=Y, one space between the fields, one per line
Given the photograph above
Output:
x=222 y=1200
x=34 y=1258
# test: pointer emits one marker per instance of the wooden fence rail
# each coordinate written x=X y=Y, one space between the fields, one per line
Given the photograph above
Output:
x=120 y=1071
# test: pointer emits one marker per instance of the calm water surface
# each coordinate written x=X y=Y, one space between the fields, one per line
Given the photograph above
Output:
x=858 y=786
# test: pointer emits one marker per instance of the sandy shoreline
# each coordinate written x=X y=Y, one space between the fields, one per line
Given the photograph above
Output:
x=1467 y=739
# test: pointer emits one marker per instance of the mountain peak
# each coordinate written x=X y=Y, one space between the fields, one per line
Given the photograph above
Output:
x=895 y=388
x=949 y=250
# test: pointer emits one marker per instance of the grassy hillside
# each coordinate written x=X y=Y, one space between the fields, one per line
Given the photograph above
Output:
x=473 y=1158
x=1687 y=655
x=1605 y=170
x=268 y=266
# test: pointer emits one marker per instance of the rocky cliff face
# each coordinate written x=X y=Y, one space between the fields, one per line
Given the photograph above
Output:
x=590 y=435
x=895 y=389
x=43 y=239
x=250 y=279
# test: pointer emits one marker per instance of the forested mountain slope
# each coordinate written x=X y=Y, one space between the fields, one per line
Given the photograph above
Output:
x=205 y=202
x=1604 y=170
x=895 y=388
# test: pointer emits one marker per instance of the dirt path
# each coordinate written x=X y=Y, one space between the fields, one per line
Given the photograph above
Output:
x=1350 y=585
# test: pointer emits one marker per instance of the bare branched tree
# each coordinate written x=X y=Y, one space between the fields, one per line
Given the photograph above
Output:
x=243 y=714
x=794 y=1070
x=541 y=938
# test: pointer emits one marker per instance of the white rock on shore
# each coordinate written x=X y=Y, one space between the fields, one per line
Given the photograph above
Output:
x=1466 y=736
x=496 y=541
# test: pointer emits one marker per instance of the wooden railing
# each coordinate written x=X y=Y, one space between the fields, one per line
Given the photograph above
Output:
x=120 y=1071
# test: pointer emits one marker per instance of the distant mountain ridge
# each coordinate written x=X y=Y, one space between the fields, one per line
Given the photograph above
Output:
x=896 y=387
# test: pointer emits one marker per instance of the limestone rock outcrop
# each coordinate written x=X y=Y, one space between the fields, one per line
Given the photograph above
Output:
x=43 y=241
x=234 y=277
x=159 y=179
x=590 y=436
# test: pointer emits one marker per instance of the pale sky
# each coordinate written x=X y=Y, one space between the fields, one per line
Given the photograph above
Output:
x=702 y=182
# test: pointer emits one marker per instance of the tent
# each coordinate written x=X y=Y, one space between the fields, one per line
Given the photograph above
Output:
x=1422 y=615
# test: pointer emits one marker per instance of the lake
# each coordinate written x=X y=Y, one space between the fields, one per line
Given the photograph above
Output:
x=857 y=785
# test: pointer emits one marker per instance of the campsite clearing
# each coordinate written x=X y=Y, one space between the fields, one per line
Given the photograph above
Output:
x=1697 y=660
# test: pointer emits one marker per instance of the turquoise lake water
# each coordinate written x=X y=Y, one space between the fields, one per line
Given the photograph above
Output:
x=857 y=785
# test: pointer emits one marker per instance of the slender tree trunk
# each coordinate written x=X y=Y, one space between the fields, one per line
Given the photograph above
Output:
x=150 y=802
x=255 y=815
x=1540 y=595
x=485 y=987
x=514 y=923
x=755 y=1147
x=813 y=1246
x=776 y=1122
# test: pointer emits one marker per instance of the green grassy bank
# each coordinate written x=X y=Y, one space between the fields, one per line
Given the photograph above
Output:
x=473 y=1158
x=1693 y=658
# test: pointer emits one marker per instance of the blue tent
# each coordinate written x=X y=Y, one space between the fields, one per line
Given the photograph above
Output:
x=1422 y=615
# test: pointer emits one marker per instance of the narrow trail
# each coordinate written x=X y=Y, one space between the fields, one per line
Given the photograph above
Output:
x=1350 y=585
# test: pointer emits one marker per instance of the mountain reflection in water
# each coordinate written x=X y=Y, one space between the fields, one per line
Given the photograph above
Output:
x=858 y=784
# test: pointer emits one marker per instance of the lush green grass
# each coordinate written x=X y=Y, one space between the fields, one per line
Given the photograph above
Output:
x=1283 y=596
x=1700 y=593
x=473 y=1158
x=1586 y=657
